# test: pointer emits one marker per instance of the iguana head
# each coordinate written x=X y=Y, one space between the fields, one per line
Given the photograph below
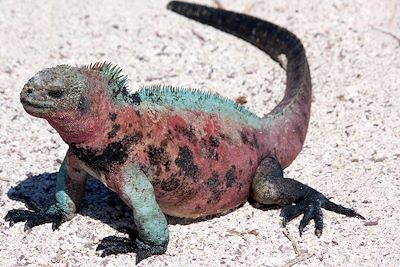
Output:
x=53 y=90
x=74 y=100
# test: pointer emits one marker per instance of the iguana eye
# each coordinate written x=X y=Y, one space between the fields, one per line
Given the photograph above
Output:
x=55 y=93
x=82 y=104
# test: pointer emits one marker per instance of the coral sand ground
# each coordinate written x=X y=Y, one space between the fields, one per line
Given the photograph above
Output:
x=351 y=154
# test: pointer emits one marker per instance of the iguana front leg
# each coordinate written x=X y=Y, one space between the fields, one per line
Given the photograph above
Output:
x=70 y=187
x=151 y=225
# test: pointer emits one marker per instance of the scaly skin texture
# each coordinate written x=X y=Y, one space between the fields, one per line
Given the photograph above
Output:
x=173 y=151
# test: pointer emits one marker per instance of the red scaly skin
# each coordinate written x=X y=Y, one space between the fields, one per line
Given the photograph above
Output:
x=198 y=163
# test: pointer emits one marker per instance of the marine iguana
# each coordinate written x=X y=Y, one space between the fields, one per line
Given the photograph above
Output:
x=176 y=151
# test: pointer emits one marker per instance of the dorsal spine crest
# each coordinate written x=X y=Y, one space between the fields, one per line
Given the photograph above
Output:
x=113 y=72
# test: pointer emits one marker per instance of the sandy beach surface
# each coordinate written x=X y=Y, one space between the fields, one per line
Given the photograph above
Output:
x=351 y=154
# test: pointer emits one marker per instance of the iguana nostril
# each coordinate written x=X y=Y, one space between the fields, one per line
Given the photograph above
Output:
x=29 y=91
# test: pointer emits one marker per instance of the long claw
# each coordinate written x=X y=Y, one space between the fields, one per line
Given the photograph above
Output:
x=319 y=222
x=329 y=205
x=308 y=215
x=57 y=223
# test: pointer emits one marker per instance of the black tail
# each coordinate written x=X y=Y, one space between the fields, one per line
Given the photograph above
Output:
x=270 y=38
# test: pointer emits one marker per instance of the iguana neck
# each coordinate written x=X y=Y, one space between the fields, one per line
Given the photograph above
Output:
x=105 y=114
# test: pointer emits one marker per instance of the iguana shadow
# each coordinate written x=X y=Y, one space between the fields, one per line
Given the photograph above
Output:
x=98 y=203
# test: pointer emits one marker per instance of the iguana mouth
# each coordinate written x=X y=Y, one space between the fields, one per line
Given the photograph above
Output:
x=36 y=106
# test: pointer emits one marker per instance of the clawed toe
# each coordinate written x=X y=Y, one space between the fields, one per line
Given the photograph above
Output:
x=118 y=245
x=329 y=205
x=311 y=206
x=290 y=212
x=33 y=218
x=313 y=211
x=14 y=216
x=145 y=250
x=115 y=245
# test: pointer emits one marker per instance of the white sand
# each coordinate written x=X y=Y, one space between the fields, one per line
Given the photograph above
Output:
x=351 y=153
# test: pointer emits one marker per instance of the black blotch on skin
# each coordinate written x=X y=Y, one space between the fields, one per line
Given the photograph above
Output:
x=167 y=138
x=244 y=138
x=137 y=113
x=225 y=137
x=185 y=162
x=230 y=176
x=114 y=153
x=114 y=129
x=255 y=141
x=135 y=98
x=186 y=131
x=76 y=170
x=222 y=135
x=132 y=99
x=170 y=185
x=213 y=184
x=249 y=140
x=158 y=156
x=130 y=125
x=113 y=116
x=214 y=141
x=239 y=187
x=154 y=96
x=209 y=147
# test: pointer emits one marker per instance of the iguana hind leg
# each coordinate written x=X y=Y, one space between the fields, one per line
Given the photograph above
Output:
x=270 y=187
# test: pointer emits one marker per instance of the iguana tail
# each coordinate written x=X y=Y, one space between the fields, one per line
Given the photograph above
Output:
x=287 y=123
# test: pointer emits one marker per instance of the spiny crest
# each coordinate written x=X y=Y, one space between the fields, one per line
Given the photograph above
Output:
x=160 y=93
x=160 y=89
x=113 y=72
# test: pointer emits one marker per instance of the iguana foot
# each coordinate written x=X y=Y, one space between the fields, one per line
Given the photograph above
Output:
x=270 y=187
x=118 y=245
x=115 y=245
x=311 y=206
x=145 y=250
x=36 y=217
